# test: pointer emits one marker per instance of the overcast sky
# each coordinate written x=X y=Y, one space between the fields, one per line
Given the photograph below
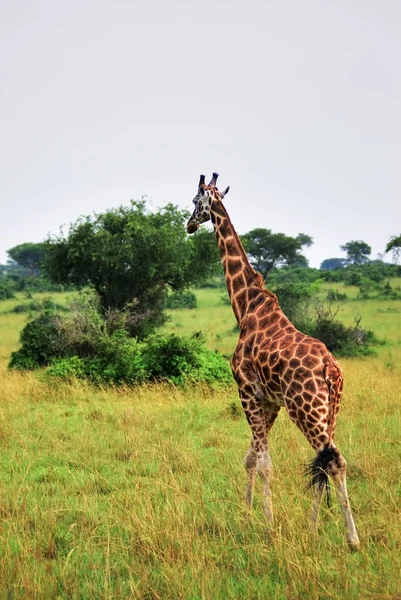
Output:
x=296 y=103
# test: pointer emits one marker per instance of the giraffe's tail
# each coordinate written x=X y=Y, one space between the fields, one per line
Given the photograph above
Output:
x=316 y=470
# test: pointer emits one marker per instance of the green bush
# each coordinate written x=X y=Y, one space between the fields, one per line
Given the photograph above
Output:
x=375 y=271
x=7 y=289
x=183 y=299
x=295 y=300
x=47 y=304
x=181 y=359
x=333 y=295
x=390 y=293
x=342 y=340
x=38 y=284
x=288 y=274
x=42 y=340
x=117 y=360
x=67 y=368
x=213 y=283
x=84 y=344
x=302 y=304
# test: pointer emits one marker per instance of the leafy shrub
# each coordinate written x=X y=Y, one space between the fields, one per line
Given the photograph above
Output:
x=390 y=293
x=375 y=271
x=291 y=274
x=117 y=360
x=214 y=283
x=183 y=299
x=303 y=306
x=67 y=368
x=42 y=340
x=47 y=304
x=182 y=359
x=179 y=360
x=84 y=344
x=295 y=300
x=36 y=284
x=335 y=296
x=342 y=340
x=7 y=289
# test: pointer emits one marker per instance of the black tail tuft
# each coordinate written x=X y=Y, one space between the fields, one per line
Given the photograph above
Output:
x=317 y=471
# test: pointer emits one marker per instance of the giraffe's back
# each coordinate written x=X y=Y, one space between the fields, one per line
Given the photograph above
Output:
x=285 y=366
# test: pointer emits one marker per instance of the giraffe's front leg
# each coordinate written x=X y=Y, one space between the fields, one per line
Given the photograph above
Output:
x=261 y=417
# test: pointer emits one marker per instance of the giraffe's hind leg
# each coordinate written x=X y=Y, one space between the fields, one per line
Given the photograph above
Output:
x=337 y=470
x=317 y=497
x=328 y=462
x=260 y=418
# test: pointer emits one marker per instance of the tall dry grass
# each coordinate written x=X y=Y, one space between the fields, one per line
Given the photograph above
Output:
x=138 y=492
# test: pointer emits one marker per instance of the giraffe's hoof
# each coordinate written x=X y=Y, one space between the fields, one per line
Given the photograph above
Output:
x=354 y=545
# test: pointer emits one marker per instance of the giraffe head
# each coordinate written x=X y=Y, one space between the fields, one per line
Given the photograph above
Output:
x=203 y=202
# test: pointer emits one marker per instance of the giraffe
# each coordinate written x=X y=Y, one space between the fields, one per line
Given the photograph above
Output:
x=275 y=366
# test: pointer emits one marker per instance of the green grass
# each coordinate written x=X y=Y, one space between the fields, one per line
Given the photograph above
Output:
x=138 y=492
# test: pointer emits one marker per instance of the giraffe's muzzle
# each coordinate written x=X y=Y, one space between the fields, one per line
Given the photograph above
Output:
x=192 y=226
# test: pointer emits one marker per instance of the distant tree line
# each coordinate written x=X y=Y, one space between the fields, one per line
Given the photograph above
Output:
x=134 y=258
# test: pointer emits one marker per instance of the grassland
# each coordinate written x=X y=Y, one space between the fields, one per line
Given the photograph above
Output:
x=138 y=492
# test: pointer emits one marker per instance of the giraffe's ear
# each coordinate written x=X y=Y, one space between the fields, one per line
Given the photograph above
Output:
x=225 y=192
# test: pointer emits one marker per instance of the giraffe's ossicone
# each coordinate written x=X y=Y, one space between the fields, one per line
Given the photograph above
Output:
x=275 y=366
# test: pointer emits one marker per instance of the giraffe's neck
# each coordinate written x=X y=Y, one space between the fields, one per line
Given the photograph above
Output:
x=243 y=283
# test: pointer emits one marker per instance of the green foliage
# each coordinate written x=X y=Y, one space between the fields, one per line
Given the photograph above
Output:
x=47 y=304
x=6 y=289
x=387 y=292
x=295 y=300
x=333 y=263
x=41 y=340
x=302 y=304
x=39 y=284
x=119 y=359
x=394 y=246
x=67 y=368
x=291 y=274
x=335 y=296
x=131 y=256
x=342 y=340
x=375 y=270
x=367 y=287
x=16 y=281
x=182 y=359
x=185 y=299
x=267 y=250
x=28 y=255
x=213 y=283
x=83 y=344
x=357 y=251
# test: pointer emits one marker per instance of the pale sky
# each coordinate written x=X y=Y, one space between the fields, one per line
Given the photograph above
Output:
x=296 y=103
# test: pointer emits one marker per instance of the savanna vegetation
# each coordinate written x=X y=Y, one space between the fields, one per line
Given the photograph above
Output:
x=116 y=487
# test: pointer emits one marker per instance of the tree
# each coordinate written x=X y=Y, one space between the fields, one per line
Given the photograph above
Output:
x=330 y=264
x=267 y=250
x=130 y=256
x=357 y=251
x=394 y=245
x=28 y=255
